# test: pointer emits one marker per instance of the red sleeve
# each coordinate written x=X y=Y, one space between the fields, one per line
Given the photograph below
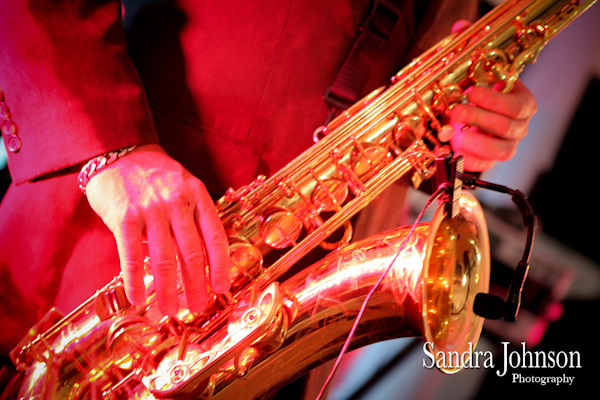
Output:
x=71 y=91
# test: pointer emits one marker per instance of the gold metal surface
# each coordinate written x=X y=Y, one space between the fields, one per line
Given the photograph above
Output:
x=263 y=333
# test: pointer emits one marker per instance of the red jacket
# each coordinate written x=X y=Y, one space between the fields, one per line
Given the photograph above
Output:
x=230 y=88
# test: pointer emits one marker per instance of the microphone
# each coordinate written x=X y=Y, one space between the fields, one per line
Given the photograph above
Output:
x=489 y=306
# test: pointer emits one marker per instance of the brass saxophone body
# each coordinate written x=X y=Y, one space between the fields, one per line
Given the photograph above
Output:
x=265 y=333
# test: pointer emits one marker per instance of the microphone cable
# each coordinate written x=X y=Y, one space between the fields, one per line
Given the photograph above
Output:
x=442 y=189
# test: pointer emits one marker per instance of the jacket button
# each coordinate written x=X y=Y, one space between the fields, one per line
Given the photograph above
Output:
x=8 y=127
x=11 y=139
x=13 y=143
x=3 y=110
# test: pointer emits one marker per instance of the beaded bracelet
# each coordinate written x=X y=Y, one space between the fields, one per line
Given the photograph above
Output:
x=97 y=164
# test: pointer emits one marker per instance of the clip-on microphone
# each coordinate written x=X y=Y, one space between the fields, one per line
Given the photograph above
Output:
x=450 y=173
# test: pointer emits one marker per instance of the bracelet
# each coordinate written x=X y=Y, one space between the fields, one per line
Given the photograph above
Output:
x=97 y=164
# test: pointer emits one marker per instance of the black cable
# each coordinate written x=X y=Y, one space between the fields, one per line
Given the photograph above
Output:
x=486 y=305
x=491 y=306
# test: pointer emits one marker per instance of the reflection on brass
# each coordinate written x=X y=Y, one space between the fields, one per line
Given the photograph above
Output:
x=264 y=332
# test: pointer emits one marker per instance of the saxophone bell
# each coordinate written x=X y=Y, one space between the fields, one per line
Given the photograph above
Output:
x=432 y=274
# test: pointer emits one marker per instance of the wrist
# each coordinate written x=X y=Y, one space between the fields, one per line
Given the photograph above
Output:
x=98 y=163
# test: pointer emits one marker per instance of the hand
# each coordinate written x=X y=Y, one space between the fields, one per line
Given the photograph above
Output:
x=148 y=195
x=490 y=127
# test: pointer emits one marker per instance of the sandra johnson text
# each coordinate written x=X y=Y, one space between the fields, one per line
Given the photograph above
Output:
x=521 y=358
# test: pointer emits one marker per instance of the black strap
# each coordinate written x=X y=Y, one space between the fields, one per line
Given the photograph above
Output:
x=373 y=38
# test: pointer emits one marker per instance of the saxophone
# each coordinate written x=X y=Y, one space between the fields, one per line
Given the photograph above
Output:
x=263 y=333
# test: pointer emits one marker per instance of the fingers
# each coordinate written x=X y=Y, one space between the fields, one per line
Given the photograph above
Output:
x=197 y=235
x=149 y=195
x=487 y=121
x=481 y=150
x=518 y=104
x=505 y=115
x=191 y=255
x=128 y=236
x=200 y=240
x=215 y=242
x=164 y=264
x=490 y=127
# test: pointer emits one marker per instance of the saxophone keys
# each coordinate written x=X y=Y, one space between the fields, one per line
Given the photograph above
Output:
x=242 y=194
x=330 y=194
x=445 y=97
x=111 y=301
x=426 y=109
x=129 y=339
x=180 y=377
x=490 y=67
x=409 y=129
x=344 y=240
x=246 y=262
x=370 y=159
x=527 y=36
x=281 y=229
x=250 y=327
